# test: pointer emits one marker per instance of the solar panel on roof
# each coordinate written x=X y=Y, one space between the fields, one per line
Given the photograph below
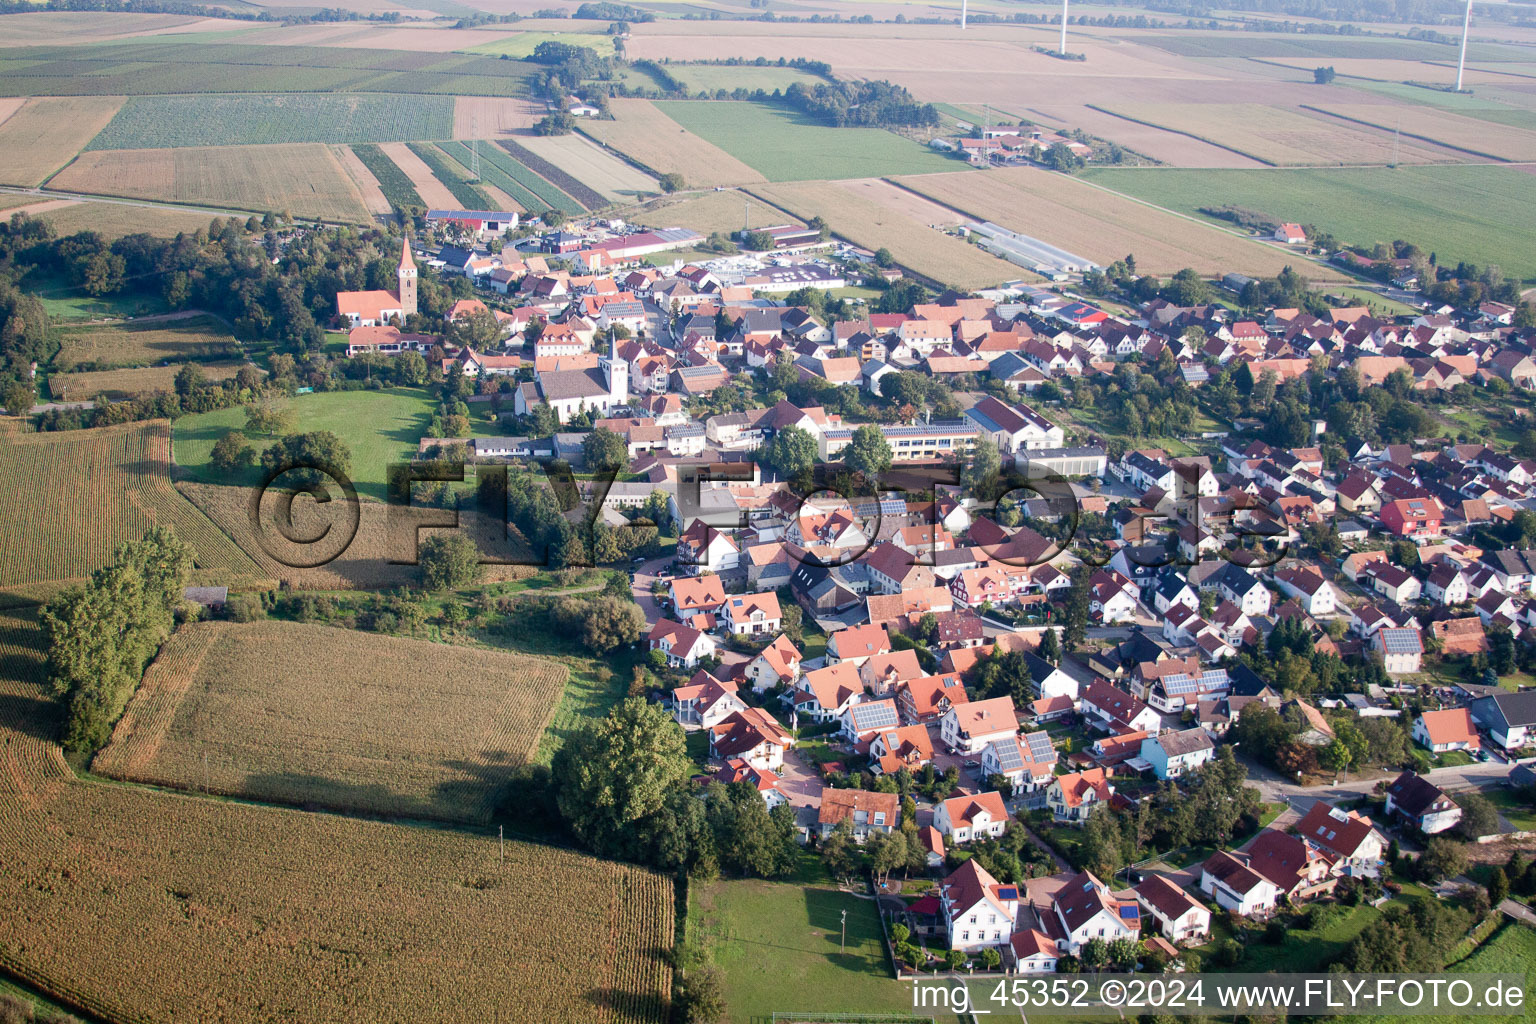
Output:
x=1007 y=892
x=1040 y=748
x=1130 y=911
x=875 y=716
x=1179 y=684
x=1007 y=755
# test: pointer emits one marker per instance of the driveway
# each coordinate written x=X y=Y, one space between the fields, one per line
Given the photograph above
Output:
x=798 y=780
x=640 y=588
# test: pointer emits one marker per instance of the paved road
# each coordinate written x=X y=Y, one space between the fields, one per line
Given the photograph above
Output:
x=1519 y=911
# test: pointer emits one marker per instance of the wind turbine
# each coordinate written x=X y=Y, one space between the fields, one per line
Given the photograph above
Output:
x=963 y=5
x=1461 y=62
x=1064 y=27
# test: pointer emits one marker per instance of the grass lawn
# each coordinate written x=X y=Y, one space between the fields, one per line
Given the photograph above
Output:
x=62 y=301
x=730 y=77
x=1376 y=301
x=1520 y=814
x=379 y=427
x=777 y=946
x=1510 y=950
x=523 y=43
x=1450 y=759
x=1468 y=212
x=784 y=145
x=1307 y=949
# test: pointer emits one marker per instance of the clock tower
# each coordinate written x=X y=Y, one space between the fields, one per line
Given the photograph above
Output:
x=407 y=278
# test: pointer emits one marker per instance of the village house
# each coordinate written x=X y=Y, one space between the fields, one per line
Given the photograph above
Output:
x=1027 y=761
x=1072 y=797
x=753 y=736
x=968 y=728
x=682 y=646
x=1348 y=836
x=778 y=664
x=978 y=911
x=1422 y=804
x=1173 y=754
x=705 y=701
x=1181 y=918
x=1510 y=718
x=1084 y=909
x=867 y=811
x=1447 y=730
x=962 y=819
x=752 y=614
x=1228 y=880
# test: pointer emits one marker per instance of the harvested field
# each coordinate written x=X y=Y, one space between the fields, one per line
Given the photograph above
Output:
x=433 y=192
x=377 y=557
x=153 y=122
x=367 y=185
x=1278 y=136
x=213 y=910
x=306 y=179
x=871 y=224
x=127 y=383
x=1476 y=137
x=114 y=220
x=454 y=176
x=68 y=499
x=490 y=117
x=45 y=133
x=708 y=211
x=9 y=105
x=787 y=146
x=1066 y=212
x=309 y=715
x=1470 y=212
x=549 y=182
x=45 y=27
x=142 y=343
x=649 y=137
x=595 y=168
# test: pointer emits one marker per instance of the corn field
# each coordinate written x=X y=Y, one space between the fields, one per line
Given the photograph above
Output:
x=68 y=499
x=310 y=715
x=140 y=905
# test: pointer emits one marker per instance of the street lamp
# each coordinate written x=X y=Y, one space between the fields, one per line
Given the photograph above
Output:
x=843 y=942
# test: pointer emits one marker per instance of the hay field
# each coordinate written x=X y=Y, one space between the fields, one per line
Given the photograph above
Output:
x=68 y=499
x=1480 y=138
x=141 y=343
x=599 y=170
x=869 y=223
x=9 y=105
x=114 y=220
x=309 y=715
x=642 y=132
x=45 y=132
x=1278 y=136
x=212 y=910
x=522 y=44
x=705 y=212
x=490 y=117
x=433 y=192
x=127 y=383
x=787 y=146
x=1066 y=212
x=306 y=179
x=1467 y=212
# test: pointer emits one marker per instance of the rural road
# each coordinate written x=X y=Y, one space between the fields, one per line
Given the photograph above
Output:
x=44 y=193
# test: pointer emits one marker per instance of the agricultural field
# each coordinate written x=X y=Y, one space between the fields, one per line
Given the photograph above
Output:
x=1479 y=138
x=157 y=122
x=1463 y=213
x=433 y=193
x=68 y=499
x=1066 y=212
x=1256 y=44
x=367 y=185
x=454 y=178
x=250 y=914
x=297 y=714
x=1277 y=136
x=394 y=184
x=599 y=170
x=522 y=44
x=43 y=134
x=490 y=117
x=199 y=337
x=541 y=168
x=869 y=223
x=112 y=220
x=304 y=179
x=730 y=77
x=642 y=132
x=128 y=383
x=786 y=146
x=706 y=212
x=155 y=67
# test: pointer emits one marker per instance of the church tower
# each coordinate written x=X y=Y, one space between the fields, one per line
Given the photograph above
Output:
x=616 y=373
x=407 y=278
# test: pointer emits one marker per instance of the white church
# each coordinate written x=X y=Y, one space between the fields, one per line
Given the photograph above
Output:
x=599 y=389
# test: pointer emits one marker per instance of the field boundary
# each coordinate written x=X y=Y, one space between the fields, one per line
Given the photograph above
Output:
x=1178 y=131
x=1411 y=135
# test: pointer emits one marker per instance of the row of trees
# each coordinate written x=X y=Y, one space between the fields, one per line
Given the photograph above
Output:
x=102 y=635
